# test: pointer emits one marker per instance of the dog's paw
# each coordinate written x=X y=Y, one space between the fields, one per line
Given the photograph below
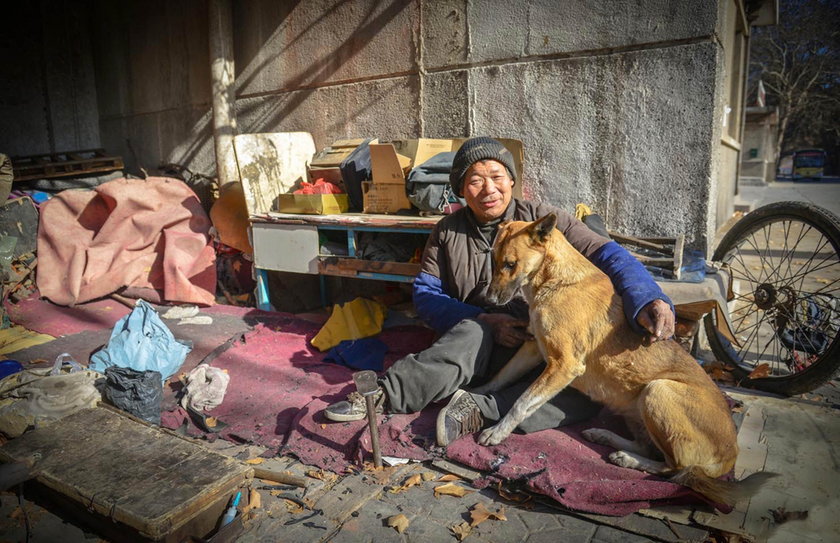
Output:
x=623 y=459
x=598 y=435
x=492 y=436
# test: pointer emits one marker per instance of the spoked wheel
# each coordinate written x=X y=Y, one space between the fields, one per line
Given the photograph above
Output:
x=785 y=264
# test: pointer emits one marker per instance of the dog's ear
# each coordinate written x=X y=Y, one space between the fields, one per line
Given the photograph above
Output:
x=541 y=229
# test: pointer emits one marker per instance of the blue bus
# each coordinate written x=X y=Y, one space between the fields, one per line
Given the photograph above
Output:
x=802 y=164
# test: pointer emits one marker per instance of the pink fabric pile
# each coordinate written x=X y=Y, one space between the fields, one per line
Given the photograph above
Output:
x=149 y=235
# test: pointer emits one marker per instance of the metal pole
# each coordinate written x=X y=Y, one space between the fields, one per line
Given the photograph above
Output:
x=374 y=431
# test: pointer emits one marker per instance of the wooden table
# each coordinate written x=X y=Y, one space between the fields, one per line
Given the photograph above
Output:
x=292 y=243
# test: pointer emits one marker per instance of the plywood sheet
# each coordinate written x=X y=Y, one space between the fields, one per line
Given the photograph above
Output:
x=271 y=164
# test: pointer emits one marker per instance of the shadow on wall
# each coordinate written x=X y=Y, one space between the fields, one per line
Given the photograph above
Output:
x=281 y=103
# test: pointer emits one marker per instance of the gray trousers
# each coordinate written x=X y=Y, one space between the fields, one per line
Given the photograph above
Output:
x=466 y=356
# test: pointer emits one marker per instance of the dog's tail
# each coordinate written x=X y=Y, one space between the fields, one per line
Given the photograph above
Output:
x=728 y=492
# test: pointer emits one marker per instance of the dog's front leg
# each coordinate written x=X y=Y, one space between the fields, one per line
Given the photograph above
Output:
x=551 y=381
x=526 y=358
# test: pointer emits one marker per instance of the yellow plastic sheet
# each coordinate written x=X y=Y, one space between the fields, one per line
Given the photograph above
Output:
x=16 y=338
x=353 y=320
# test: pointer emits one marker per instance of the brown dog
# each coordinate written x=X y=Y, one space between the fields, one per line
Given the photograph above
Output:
x=669 y=403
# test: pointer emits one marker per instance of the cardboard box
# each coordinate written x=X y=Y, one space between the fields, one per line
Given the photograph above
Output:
x=384 y=197
x=317 y=204
x=332 y=156
x=386 y=192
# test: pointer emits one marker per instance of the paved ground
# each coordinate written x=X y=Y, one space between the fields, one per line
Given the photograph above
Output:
x=797 y=438
x=824 y=193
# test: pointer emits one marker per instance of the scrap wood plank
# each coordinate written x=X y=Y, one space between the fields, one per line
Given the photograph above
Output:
x=352 y=266
x=140 y=476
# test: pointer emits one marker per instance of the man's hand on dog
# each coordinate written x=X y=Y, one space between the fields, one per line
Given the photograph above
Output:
x=507 y=330
x=658 y=319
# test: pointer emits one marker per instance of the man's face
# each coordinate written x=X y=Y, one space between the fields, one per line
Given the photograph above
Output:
x=487 y=189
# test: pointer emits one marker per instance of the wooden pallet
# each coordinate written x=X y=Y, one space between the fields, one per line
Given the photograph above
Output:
x=70 y=163
x=663 y=253
x=130 y=480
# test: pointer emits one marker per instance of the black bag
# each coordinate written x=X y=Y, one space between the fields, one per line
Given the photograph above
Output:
x=136 y=392
x=355 y=169
x=428 y=186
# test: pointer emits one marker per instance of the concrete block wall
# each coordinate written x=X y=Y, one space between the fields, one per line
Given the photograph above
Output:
x=618 y=103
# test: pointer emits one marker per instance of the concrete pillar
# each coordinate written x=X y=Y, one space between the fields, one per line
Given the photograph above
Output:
x=222 y=87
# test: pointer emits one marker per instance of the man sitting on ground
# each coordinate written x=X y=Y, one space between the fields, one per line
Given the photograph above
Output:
x=478 y=338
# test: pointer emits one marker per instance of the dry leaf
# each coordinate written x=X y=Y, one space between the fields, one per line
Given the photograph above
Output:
x=762 y=370
x=719 y=371
x=293 y=507
x=398 y=522
x=322 y=475
x=210 y=422
x=479 y=513
x=253 y=461
x=429 y=475
x=410 y=482
x=461 y=531
x=323 y=426
x=451 y=489
x=449 y=477
x=821 y=280
x=254 y=500
x=379 y=475
x=413 y=480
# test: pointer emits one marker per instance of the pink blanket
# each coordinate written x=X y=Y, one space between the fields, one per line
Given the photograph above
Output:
x=280 y=384
x=150 y=235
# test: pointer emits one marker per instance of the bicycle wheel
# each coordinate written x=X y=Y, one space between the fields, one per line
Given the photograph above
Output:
x=785 y=264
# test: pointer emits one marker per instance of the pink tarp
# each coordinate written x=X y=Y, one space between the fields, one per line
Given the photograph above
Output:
x=150 y=235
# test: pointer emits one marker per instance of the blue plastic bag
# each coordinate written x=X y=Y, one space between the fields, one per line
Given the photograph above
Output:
x=359 y=354
x=142 y=342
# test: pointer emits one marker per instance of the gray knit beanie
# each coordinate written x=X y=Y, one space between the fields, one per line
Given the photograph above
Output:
x=473 y=150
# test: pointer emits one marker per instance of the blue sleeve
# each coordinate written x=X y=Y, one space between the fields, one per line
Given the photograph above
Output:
x=436 y=308
x=631 y=281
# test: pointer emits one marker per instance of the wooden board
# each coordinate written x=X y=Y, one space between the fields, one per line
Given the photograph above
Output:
x=271 y=164
x=350 y=267
x=354 y=221
x=72 y=163
x=137 y=475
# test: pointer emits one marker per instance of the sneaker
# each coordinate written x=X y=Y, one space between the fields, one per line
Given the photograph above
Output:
x=354 y=407
x=460 y=417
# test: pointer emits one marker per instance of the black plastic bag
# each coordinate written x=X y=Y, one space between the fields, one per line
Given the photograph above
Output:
x=136 y=392
x=355 y=169
x=428 y=186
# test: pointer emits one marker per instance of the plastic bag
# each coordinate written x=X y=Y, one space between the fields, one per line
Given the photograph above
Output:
x=61 y=360
x=141 y=341
x=136 y=392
